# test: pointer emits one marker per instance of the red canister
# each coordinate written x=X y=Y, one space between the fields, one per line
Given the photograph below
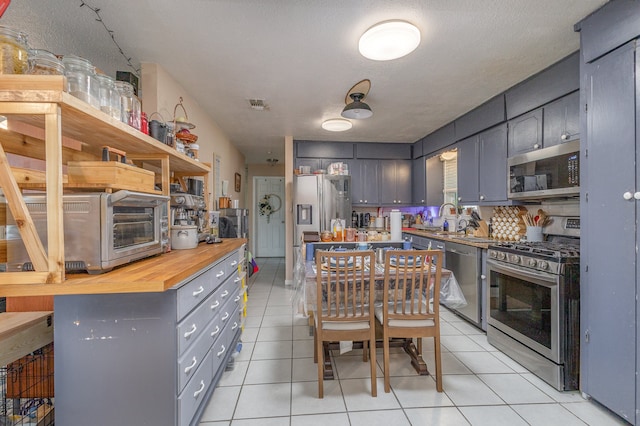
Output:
x=144 y=123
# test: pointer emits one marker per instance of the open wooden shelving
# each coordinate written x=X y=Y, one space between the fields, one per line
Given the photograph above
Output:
x=46 y=123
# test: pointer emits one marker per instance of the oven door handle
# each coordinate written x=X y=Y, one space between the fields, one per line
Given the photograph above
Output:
x=138 y=197
x=542 y=278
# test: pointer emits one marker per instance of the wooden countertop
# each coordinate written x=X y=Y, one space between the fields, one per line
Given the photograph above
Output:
x=22 y=333
x=153 y=274
x=480 y=242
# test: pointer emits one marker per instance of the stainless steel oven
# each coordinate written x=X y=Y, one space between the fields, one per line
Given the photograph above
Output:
x=533 y=305
x=101 y=230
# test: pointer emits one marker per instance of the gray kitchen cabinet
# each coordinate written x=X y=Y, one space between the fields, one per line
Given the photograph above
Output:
x=525 y=133
x=317 y=149
x=435 y=181
x=562 y=120
x=486 y=115
x=609 y=207
x=364 y=182
x=383 y=151
x=395 y=181
x=147 y=358
x=482 y=167
x=313 y=163
x=419 y=181
x=441 y=138
x=468 y=171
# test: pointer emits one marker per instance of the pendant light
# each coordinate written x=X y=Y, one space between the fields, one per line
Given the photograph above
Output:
x=357 y=109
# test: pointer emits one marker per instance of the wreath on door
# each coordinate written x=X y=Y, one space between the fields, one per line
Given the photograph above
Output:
x=266 y=208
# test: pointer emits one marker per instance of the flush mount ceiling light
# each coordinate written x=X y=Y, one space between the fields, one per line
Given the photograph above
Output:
x=389 y=40
x=336 y=125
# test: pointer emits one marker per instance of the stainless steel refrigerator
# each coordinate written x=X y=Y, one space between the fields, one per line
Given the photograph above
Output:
x=317 y=200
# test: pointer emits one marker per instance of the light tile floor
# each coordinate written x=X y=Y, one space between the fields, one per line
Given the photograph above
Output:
x=274 y=379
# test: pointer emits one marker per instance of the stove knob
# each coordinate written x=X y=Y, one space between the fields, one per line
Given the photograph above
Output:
x=180 y=200
x=542 y=264
x=532 y=263
x=501 y=256
x=493 y=254
x=514 y=259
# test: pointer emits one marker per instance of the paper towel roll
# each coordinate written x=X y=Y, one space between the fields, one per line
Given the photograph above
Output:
x=396 y=225
x=379 y=222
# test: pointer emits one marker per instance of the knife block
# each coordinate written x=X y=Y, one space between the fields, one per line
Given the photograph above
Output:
x=483 y=229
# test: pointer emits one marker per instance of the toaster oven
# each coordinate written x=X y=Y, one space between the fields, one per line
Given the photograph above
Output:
x=101 y=230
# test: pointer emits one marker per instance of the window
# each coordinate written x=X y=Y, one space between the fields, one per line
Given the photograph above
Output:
x=450 y=168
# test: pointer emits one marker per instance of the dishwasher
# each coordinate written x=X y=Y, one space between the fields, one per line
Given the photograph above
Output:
x=466 y=262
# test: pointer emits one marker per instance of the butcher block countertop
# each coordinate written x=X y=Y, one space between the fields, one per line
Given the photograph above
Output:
x=153 y=274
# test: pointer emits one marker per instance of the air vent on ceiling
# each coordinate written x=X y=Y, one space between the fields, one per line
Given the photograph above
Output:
x=258 y=104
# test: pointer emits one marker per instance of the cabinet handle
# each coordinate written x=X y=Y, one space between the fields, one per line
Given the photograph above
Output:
x=190 y=332
x=198 y=291
x=627 y=195
x=234 y=263
x=225 y=316
x=637 y=195
x=365 y=201
x=459 y=198
x=222 y=351
x=422 y=201
x=215 y=305
x=237 y=298
x=536 y=146
x=564 y=136
x=216 y=331
x=192 y=366
x=238 y=279
x=225 y=294
x=219 y=274
x=199 y=391
x=481 y=197
x=235 y=325
x=483 y=277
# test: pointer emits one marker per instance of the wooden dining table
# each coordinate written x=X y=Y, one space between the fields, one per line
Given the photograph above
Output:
x=309 y=296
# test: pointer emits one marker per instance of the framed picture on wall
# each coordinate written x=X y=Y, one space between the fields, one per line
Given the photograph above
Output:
x=237 y=182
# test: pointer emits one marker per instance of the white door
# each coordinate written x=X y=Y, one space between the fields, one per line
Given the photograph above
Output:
x=270 y=231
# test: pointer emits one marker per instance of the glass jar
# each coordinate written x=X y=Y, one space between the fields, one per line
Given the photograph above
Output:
x=13 y=51
x=109 y=96
x=43 y=62
x=81 y=80
x=129 y=104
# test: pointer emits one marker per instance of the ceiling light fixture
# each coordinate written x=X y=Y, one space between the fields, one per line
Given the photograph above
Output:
x=336 y=125
x=389 y=40
x=357 y=109
x=272 y=161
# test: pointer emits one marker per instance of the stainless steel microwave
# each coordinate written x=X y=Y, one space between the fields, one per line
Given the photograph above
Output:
x=545 y=173
x=101 y=230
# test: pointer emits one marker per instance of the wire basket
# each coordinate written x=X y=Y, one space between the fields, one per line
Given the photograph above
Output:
x=27 y=390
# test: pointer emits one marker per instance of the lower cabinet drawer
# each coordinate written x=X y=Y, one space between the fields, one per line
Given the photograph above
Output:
x=189 y=363
x=194 y=292
x=193 y=394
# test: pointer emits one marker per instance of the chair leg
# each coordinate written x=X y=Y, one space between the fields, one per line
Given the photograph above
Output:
x=438 y=359
x=419 y=345
x=372 y=360
x=365 y=351
x=385 y=359
x=320 y=357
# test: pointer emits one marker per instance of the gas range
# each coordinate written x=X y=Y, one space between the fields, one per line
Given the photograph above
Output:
x=561 y=248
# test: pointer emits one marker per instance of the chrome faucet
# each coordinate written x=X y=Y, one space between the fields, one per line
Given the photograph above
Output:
x=442 y=206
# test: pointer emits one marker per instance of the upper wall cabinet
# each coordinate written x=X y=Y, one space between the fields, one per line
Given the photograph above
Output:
x=562 y=120
x=386 y=151
x=486 y=115
x=395 y=181
x=439 y=139
x=553 y=124
x=435 y=181
x=315 y=149
x=525 y=133
x=482 y=167
x=552 y=83
x=419 y=181
x=364 y=182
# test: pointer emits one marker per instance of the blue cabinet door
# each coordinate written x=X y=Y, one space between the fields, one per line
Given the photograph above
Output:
x=525 y=133
x=492 y=164
x=435 y=181
x=403 y=181
x=562 y=120
x=364 y=182
x=419 y=181
x=468 y=187
x=608 y=233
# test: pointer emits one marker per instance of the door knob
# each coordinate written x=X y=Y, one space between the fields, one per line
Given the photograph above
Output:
x=627 y=195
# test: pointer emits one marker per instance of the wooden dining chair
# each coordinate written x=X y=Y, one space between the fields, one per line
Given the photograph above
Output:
x=345 y=305
x=411 y=279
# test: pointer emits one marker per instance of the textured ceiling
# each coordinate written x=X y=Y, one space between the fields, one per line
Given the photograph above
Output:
x=301 y=57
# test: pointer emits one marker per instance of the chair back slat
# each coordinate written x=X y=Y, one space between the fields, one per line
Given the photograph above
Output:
x=412 y=278
x=344 y=284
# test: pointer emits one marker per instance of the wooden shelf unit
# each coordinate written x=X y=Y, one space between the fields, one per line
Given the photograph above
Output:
x=48 y=124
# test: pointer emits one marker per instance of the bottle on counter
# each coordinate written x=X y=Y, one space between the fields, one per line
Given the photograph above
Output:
x=445 y=226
